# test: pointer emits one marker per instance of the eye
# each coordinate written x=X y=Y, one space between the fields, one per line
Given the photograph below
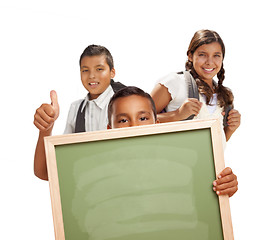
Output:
x=85 y=70
x=217 y=55
x=123 y=120
x=143 y=118
x=99 y=69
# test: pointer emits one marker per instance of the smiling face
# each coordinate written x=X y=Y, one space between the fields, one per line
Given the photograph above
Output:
x=95 y=74
x=207 y=60
x=131 y=111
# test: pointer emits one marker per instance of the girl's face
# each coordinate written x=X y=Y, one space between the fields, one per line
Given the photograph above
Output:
x=207 y=60
x=95 y=74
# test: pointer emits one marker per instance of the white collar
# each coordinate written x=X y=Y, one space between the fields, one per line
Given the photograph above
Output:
x=101 y=101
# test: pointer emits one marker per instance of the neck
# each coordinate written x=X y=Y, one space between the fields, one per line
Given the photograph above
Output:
x=210 y=83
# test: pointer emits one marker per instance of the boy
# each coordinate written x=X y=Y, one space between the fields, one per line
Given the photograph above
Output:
x=97 y=71
x=131 y=106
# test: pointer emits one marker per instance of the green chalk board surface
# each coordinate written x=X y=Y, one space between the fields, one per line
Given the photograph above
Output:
x=140 y=188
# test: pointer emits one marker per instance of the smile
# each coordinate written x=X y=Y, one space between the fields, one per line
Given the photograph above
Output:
x=208 y=69
x=93 y=83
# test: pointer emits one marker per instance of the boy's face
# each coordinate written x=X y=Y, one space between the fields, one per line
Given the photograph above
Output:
x=95 y=74
x=131 y=111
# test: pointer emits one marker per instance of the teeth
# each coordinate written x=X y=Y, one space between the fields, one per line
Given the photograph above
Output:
x=93 y=84
x=208 y=69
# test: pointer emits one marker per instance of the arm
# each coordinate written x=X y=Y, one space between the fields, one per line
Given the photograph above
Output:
x=162 y=97
x=234 y=120
x=44 y=119
x=226 y=183
x=40 y=168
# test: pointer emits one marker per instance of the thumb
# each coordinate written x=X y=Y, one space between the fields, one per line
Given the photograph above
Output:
x=54 y=103
x=54 y=99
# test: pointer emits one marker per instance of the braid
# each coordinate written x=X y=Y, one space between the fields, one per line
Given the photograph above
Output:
x=224 y=94
x=221 y=76
x=203 y=87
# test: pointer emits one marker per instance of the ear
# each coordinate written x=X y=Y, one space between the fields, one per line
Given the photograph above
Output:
x=108 y=126
x=112 y=73
x=190 y=57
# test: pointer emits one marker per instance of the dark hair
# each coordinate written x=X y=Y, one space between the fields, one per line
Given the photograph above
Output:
x=129 y=91
x=224 y=94
x=97 y=50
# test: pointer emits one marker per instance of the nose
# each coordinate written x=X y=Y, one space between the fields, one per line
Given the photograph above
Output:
x=91 y=75
x=209 y=60
x=133 y=123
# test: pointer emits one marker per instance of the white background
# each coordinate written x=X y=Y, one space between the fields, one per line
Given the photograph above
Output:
x=41 y=42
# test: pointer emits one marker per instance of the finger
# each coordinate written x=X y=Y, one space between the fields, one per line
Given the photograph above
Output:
x=226 y=171
x=54 y=99
x=194 y=100
x=43 y=121
x=225 y=186
x=195 y=107
x=233 y=111
x=195 y=111
x=234 y=118
x=234 y=114
x=229 y=191
x=46 y=111
x=225 y=179
x=233 y=123
x=42 y=125
x=39 y=126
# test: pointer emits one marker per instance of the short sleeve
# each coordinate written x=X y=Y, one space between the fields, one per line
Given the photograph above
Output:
x=175 y=83
x=71 y=118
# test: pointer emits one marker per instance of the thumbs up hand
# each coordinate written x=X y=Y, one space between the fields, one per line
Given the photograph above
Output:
x=47 y=114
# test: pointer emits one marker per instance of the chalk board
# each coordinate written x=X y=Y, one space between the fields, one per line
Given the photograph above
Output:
x=149 y=182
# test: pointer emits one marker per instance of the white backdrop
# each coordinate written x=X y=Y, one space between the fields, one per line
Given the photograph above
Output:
x=41 y=42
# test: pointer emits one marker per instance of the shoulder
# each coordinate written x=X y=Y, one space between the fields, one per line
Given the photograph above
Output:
x=75 y=105
x=71 y=118
x=175 y=83
x=171 y=78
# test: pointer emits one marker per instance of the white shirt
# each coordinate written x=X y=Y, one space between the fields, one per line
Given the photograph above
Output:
x=176 y=85
x=96 y=114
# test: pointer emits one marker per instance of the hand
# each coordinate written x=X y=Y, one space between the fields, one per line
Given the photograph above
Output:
x=189 y=107
x=226 y=183
x=234 y=120
x=47 y=114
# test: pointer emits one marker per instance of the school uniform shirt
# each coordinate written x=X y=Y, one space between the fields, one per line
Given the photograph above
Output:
x=176 y=85
x=96 y=114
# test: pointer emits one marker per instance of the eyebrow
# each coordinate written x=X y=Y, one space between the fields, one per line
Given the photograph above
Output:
x=206 y=52
x=121 y=115
x=125 y=114
x=142 y=112
x=99 y=65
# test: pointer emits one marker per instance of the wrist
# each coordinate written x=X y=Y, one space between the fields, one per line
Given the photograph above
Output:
x=47 y=132
x=180 y=115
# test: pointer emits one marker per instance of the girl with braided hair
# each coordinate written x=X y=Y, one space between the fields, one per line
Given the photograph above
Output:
x=205 y=61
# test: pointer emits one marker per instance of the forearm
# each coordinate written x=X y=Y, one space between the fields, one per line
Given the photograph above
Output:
x=228 y=132
x=40 y=168
x=170 y=116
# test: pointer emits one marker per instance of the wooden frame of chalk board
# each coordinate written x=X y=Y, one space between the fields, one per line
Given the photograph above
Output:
x=72 y=145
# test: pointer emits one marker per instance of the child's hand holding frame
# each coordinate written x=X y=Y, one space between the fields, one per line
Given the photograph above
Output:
x=226 y=183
